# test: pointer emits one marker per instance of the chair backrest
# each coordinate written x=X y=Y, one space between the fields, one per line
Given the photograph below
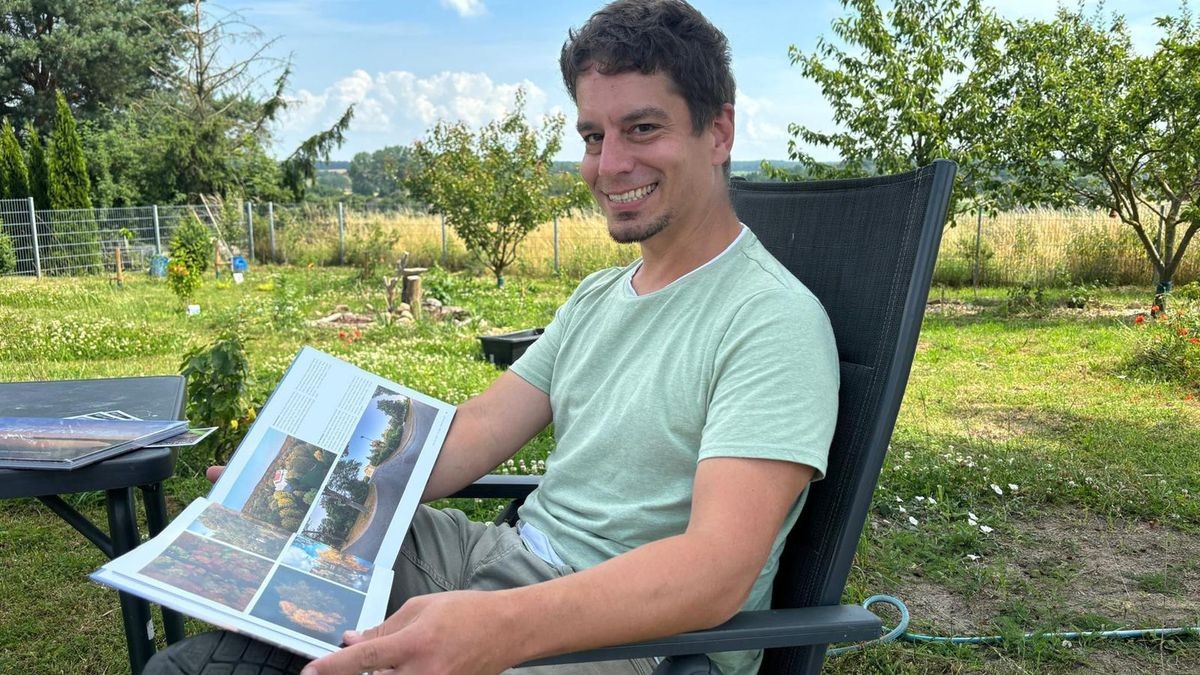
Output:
x=866 y=247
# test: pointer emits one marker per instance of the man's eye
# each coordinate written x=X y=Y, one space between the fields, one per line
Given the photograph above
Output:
x=643 y=128
x=591 y=138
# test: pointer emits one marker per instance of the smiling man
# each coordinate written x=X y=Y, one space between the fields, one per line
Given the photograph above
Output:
x=693 y=396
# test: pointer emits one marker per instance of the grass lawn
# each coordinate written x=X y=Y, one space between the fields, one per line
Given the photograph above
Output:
x=1035 y=482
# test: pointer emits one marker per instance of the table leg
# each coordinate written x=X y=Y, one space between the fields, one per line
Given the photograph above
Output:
x=135 y=612
x=156 y=518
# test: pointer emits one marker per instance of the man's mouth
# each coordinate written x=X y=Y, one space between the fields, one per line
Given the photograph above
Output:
x=632 y=195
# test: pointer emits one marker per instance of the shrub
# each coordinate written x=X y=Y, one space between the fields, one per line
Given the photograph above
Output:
x=218 y=386
x=8 y=255
x=1093 y=256
x=1167 y=346
x=183 y=279
x=191 y=244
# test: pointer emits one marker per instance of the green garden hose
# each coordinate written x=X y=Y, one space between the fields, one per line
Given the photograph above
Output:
x=900 y=632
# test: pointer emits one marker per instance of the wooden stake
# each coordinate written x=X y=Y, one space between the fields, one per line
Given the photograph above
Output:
x=412 y=294
x=217 y=258
x=120 y=272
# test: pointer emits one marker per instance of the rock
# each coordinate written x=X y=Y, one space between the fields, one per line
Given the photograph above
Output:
x=341 y=308
x=405 y=319
x=406 y=315
x=431 y=302
x=405 y=307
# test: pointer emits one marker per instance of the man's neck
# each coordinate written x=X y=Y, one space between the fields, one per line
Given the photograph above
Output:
x=667 y=258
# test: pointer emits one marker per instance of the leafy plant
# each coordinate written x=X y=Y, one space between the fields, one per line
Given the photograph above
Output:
x=183 y=280
x=1025 y=299
x=218 y=387
x=1167 y=345
x=1082 y=296
x=191 y=244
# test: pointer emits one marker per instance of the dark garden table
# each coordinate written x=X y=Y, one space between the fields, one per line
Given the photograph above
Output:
x=153 y=397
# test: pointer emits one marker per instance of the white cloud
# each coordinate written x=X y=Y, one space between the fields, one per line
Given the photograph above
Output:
x=398 y=107
x=465 y=8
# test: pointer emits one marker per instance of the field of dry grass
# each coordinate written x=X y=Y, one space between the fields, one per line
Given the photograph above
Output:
x=1040 y=247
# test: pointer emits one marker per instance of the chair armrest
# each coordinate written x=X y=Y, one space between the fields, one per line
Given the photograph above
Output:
x=748 y=630
x=505 y=487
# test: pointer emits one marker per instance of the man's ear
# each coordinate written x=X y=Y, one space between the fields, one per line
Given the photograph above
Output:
x=722 y=130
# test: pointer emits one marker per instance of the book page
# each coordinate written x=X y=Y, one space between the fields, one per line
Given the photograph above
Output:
x=297 y=538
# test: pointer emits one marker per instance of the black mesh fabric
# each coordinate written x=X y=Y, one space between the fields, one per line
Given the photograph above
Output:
x=865 y=247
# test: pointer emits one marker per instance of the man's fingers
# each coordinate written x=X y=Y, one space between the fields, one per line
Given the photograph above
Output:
x=213 y=473
x=364 y=657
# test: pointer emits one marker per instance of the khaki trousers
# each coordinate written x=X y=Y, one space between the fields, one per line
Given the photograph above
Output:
x=446 y=551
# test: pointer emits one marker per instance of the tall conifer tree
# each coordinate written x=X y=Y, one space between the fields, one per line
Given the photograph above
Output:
x=14 y=178
x=76 y=242
x=39 y=168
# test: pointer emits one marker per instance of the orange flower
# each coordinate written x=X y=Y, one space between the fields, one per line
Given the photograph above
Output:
x=341 y=335
x=1195 y=341
x=1155 y=308
x=1139 y=319
x=1182 y=331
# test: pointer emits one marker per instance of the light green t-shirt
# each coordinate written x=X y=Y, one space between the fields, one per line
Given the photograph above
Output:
x=736 y=359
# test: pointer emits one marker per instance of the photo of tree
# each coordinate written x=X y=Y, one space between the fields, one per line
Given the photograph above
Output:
x=356 y=506
x=231 y=527
x=288 y=485
x=322 y=560
x=309 y=605
x=211 y=570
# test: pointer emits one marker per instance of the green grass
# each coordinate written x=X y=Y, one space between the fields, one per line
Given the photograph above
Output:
x=1102 y=528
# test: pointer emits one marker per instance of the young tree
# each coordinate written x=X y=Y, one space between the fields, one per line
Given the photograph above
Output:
x=215 y=116
x=1082 y=119
x=493 y=187
x=904 y=86
x=39 y=167
x=14 y=178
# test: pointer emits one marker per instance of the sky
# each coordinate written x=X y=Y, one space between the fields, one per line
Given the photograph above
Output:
x=405 y=64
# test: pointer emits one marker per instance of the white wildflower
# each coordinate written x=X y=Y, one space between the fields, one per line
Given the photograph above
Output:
x=932 y=501
x=902 y=509
x=972 y=557
x=912 y=520
x=1013 y=487
x=972 y=516
x=996 y=489
x=985 y=529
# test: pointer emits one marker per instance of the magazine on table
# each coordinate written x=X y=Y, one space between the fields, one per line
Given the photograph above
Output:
x=295 y=542
x=70 y=443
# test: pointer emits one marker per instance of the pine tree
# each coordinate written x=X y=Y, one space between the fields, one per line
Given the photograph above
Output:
x=39 y=169
x=76 y=244
x=14 y=178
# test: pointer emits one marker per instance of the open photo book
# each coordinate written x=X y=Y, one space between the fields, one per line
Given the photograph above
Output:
x=295 y=543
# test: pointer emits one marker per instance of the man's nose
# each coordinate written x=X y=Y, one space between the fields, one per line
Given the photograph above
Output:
x=615 y=156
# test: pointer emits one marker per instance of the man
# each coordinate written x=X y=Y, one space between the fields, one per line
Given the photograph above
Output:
x=693 y=396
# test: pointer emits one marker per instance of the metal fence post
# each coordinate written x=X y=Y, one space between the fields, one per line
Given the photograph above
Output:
x=250 y=225
x=978 y=236
x=37 y=258
x=445 y=249
x=556 y=244
x=271 y=227
x=341 y=233
x=157 y=232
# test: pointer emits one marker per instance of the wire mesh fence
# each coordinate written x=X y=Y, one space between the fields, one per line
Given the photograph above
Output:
x=1042 y=247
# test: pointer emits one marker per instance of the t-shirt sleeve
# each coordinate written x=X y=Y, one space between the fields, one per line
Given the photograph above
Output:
x=774 y=391
x=536 y=365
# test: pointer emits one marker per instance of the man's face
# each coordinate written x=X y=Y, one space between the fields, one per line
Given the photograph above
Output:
x=644 y=164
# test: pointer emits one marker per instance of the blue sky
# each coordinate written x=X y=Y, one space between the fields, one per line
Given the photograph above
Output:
x=407 y=63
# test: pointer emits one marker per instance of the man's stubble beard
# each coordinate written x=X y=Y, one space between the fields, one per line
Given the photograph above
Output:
x=635 y=237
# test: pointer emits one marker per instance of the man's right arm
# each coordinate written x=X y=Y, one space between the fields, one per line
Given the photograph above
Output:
x=486 y=431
